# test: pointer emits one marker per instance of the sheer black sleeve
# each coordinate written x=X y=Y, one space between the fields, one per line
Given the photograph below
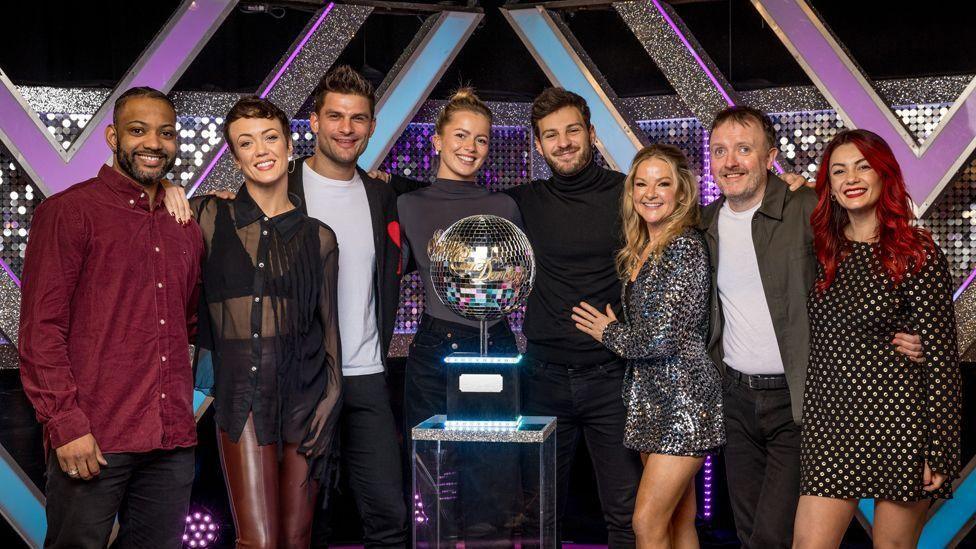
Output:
x=320 y=437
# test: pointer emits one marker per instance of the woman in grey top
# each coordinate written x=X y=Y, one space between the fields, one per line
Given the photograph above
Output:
x=461 y=141
x=672 y=389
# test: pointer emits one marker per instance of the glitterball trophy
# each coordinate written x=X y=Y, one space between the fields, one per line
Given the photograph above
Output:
x=482 y=268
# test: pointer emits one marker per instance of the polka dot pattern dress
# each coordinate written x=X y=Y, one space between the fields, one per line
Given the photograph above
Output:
x=872 y=417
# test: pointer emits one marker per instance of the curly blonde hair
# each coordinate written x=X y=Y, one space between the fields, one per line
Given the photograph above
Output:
x=686 y=212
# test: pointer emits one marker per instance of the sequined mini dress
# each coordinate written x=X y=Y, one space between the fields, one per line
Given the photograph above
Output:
x=671 y=388
x=872 y=417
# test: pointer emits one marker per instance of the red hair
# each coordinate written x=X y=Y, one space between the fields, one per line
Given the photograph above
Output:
x=902 y=247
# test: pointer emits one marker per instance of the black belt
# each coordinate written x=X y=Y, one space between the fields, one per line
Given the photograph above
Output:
x=758 y=381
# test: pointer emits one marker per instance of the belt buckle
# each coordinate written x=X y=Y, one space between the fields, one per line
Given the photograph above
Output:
x=751 y=385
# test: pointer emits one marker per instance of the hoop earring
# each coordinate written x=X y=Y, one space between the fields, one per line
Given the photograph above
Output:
x=291 y=166
x=833 y=198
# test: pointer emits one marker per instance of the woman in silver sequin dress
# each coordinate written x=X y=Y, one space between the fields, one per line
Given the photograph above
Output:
x=875 y=423
x=672 y=389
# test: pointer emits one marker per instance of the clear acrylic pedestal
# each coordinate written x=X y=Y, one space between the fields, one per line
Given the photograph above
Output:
x=480 y=485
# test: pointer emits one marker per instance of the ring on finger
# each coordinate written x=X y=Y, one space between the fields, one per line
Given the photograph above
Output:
x=73 y=473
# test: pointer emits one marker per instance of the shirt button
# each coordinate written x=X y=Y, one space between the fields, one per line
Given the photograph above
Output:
x=162 y=395
x=261 y=265
x=454 y=346
x=163 y=358
x=162 y=321
x=254 y=368
x=157 y=248
x=265 y=218
x=132 y=202
x=159 y=284
x=265 y=233
x=142 y=195
x=257 y=299
x=255 y=336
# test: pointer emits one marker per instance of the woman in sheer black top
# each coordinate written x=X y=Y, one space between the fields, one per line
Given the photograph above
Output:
x=270 y=321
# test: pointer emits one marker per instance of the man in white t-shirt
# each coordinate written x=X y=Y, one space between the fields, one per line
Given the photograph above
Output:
x=763 y=265
x=362 y=212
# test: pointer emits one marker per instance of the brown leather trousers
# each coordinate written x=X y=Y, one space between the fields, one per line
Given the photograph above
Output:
x=270 y=499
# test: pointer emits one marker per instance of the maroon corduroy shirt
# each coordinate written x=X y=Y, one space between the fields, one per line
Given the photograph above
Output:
x=110 y=290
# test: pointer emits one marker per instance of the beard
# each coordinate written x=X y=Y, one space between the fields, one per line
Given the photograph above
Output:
x=147 y=178
x=584 y=158
x=754 y=182
x=340 y=157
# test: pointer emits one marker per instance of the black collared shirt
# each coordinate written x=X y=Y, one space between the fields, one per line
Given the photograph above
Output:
x=270 y=320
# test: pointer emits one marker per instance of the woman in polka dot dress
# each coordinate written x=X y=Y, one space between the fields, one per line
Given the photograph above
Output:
x=876 y=424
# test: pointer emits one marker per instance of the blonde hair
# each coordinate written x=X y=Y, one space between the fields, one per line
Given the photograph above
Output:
x=686 y=212
x=464 y=99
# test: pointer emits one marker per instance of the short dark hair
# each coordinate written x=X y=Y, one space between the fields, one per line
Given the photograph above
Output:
x=745 y=115
x=253 y=106
x=553 y=99
x=140 y=91
x=345 y=80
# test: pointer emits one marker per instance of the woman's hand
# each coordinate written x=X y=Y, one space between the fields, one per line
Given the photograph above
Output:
x=932 y=481
x=176 y=203
x=909 y=345
x=591 y=321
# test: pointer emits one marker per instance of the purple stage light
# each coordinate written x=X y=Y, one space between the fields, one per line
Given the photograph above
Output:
x=707 y=488
x=419 y=515
x=201 y=529
x=709 y=190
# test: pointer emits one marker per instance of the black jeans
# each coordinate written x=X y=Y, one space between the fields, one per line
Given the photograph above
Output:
x=371 y=460
x=762 y=463
x=485 y=512
x=149 y=491
x=587 y=401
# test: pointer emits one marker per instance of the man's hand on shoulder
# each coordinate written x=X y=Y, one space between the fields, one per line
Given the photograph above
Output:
x=797 y=181
x=379 y=174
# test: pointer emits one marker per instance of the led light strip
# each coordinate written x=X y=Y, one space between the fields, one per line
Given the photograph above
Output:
x=464 y=425
x=466 y=358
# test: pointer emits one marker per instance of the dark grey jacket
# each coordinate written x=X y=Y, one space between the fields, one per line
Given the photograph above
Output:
x=783 y=239
x=392 y=253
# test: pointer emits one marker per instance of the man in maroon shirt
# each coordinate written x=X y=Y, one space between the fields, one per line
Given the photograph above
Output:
x=110 y=289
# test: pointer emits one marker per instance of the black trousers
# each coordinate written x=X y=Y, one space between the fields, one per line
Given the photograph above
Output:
x=371 y=460
x=485 y=511
x=587 y=403
x=149 y=491
x=762 y=463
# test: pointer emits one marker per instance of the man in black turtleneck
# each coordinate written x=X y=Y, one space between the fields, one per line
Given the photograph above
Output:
x=573 y=223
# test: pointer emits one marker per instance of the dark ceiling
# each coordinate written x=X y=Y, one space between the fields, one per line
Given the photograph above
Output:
x=77 y=44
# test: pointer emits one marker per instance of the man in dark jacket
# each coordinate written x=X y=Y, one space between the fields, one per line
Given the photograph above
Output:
x=763 y=266
x=362 y=212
